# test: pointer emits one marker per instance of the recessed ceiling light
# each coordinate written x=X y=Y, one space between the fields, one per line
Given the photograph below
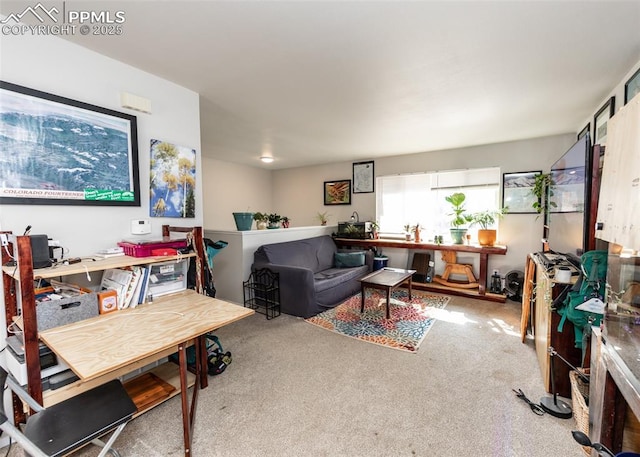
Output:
x=266 y=159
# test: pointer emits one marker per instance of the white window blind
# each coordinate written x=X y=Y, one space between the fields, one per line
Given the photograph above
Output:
x=419 y=199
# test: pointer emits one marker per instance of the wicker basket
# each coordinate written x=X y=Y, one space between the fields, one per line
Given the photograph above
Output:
x=579 y=397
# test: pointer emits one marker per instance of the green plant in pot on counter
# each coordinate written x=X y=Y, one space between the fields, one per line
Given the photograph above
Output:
x=460 y=217
x=261 y=220
x=375 y=230
x=274 y=220
x=323 y=217
x=487 y=219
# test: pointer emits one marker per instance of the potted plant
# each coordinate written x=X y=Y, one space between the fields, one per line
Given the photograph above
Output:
x=407 y=232
x=274 y=220
x=285 y=222
x=323 y=218
x=416 y=233
x=375 y=230
x=543 y=191
x=460 y=218
x=261 y=220
x=243 y=220
x=486 y=219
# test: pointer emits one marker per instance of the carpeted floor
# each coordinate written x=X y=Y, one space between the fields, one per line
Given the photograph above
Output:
x=297 y=390
x=409 y=322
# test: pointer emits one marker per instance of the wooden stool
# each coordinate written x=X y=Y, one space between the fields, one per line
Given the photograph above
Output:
x=452 y=267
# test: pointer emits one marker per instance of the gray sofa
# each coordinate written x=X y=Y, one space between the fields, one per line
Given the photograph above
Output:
x=310 y=280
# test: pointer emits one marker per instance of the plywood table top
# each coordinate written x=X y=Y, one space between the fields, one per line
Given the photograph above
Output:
x=97 y=346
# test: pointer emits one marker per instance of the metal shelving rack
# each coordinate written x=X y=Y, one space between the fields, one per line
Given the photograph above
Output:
x=262 y=292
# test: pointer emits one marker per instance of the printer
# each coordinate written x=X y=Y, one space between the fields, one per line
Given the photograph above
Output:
x=53 y=371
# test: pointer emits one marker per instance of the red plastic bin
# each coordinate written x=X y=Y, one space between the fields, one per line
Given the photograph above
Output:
x=144 y=249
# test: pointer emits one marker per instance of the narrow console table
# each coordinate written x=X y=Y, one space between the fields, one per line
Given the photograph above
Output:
x=483 y=251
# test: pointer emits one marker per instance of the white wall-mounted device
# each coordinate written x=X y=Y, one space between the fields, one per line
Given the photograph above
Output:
x=140 y=227
x=135 y=102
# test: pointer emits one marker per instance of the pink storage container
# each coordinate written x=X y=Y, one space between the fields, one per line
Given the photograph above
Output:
x=144 y=249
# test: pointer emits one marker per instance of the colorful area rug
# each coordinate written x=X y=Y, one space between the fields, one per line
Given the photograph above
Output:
x=409 y=323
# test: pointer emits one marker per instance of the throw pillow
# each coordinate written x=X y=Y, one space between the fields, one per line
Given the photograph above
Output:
x=348 y=259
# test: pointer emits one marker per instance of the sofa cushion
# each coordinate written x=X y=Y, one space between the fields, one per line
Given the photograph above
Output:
x=335 y=277
x=316 y=254
x=348 y=259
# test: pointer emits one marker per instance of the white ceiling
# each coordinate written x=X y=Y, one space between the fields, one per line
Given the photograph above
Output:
x=324 y=81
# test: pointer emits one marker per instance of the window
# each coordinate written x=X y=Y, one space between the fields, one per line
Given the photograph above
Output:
x=419 y=199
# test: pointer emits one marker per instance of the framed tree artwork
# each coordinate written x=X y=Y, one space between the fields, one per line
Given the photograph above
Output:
x=172 y=180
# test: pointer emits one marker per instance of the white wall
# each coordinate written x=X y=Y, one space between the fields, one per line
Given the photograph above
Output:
x=229 y=188
x=298 y=192
x=617 y=91
x=56 y=66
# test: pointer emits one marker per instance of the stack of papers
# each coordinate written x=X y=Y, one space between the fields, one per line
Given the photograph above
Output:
x=110 y=252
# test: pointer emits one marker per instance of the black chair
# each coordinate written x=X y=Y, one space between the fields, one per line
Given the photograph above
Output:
x=69 y=425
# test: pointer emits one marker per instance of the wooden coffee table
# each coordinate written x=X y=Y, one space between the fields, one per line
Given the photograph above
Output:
x=386 y=279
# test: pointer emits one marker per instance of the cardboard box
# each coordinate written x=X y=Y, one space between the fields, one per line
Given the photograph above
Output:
x=107 y=301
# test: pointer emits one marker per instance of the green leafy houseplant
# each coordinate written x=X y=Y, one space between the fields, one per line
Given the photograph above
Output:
x=260 y=217
x=261 y=220
x=543 y=203
x=460 y=217
x=486 y=219
x=323 y=217
x=274 y=218
x=375 y=229
x=407 y=232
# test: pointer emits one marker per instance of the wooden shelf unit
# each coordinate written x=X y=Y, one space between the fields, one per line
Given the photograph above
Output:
x=18 y=283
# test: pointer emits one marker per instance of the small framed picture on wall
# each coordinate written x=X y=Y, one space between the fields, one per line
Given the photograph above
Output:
x=600 y=121
x=517 y=191
x=337 y=192
x=363 y=177
x=632 y=87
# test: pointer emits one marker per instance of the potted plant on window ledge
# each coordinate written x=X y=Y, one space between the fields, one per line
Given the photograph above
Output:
x=460 y=218
x=486 y=219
